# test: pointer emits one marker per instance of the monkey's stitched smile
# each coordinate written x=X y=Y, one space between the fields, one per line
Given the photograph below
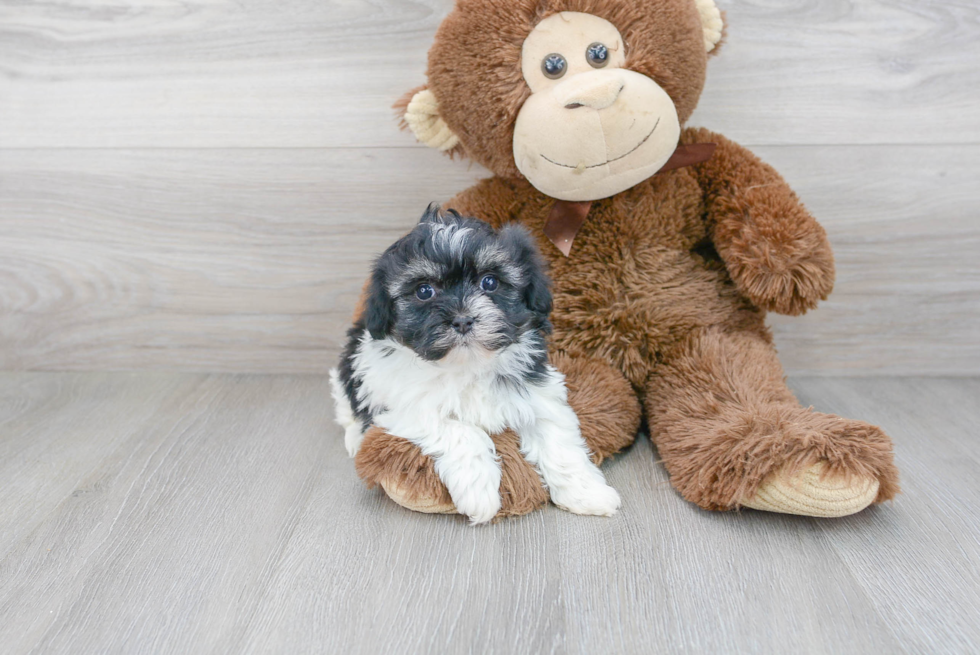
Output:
x=609 y=161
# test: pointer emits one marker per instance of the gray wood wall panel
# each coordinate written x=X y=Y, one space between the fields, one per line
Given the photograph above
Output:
x=200 y=186
x=303 y=73
x=251 y=260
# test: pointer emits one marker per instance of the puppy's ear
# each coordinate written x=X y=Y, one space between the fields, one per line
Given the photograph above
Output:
x=379 y=310
x=537 y=288
x=432 y=214
x=537 y=293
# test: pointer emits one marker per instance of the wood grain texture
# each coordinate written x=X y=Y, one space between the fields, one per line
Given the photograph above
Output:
x=266 y=73
x=182 y=513
x=64 y=428
x=934 y=424
x=201 y=185
x=251 y=260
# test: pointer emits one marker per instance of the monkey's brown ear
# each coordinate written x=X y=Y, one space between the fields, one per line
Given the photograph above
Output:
x=711 y=22
x=420 y=113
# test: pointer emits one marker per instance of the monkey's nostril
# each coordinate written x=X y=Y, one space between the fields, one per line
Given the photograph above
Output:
x=596 y=94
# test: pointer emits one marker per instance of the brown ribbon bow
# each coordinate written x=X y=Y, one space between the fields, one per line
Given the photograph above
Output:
x=566 y=217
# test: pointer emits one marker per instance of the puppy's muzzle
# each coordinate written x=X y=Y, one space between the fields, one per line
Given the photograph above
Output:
x=463 y=324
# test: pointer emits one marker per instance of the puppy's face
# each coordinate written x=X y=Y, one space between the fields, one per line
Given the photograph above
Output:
x=455 y=283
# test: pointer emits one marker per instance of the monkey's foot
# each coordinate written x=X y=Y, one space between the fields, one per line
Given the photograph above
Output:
x=814 y=492
x=411 y=499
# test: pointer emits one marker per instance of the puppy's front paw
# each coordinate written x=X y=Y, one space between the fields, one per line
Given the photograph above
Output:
x=595 y=499
x=480 y=505
x=353 y=436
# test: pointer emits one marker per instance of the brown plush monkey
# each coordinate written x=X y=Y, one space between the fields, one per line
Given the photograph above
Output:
x=665 y=254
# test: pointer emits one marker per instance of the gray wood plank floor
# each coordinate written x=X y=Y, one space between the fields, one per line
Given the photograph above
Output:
x=184 y=513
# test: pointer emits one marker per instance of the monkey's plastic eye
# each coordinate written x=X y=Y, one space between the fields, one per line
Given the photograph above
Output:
x=553 y=66
x=424 y=291
x=597 y=54
x=488 y=283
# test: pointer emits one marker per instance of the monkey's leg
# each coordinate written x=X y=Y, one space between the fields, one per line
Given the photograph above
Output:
x=604 y=401
x=409 y=477
x=731 y=434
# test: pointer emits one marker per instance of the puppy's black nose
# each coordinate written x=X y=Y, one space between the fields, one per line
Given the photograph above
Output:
x=463 y=324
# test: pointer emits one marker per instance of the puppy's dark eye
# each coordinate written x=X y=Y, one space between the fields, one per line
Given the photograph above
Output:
x=488 y=283
x=597 y=55
x=424 y=292
x=553 y=66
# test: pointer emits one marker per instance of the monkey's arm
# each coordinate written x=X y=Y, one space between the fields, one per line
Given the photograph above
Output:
x=775 y=251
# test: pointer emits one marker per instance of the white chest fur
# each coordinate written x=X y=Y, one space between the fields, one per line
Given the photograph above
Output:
x=487 y=390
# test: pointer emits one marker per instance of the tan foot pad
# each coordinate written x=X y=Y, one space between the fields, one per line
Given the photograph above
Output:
x=806 y=494
x=417 y=504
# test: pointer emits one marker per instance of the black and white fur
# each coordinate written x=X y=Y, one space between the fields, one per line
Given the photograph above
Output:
x=448 y=370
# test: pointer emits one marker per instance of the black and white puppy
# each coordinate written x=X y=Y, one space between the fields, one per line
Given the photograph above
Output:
x=451 y=349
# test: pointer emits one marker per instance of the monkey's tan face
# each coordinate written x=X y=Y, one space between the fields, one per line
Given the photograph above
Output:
x=590 y=128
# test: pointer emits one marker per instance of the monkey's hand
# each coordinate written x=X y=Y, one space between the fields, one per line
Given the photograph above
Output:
x=775 y=251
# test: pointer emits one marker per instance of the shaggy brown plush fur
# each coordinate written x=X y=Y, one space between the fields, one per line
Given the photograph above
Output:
x=607 y=408
x=664 y=294
x=775 y=251
x=383 y=459
x=724 y=420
